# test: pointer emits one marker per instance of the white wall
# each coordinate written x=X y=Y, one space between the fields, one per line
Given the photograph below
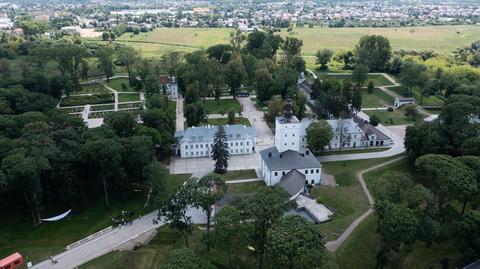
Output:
x=273 y=177
x=204 y=149
x=287 y=136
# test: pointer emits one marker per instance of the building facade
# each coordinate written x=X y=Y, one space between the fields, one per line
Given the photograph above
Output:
x=198 y=141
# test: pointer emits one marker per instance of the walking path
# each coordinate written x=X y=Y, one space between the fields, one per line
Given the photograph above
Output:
x=243 y=181
x=256 y=117
x=335 y=244
x=180 y=117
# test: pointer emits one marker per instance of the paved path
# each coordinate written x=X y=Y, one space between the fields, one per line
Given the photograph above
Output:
x=264 y=134
x=243 y=180
x=180 y=117
x=335 y=244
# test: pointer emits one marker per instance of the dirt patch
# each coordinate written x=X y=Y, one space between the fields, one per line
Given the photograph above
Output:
x=328 y=180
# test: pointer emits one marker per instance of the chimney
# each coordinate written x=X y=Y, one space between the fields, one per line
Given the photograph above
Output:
x=307 y=152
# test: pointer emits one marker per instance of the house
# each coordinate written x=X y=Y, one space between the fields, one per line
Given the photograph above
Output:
x=372 y=137
x=171 y=86
x=400 y=101
x=287 y=163
x=198 y=141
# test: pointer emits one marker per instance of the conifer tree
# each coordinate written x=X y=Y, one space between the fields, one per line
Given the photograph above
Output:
x=220 y=152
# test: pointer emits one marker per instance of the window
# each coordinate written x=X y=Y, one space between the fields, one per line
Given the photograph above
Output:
x=196 y=146
x=201 y=146
x=231 y=144
x=285 y=135
x=186 y=153
x=311 y=171
x=236 y=151
x=293 y=143
x=248 y=143
x=283 y=173
x=191 y=146
x=241 y=150
x=186 y=146
x=306 y=171
x=276 y=173
x=241 y=143
x=285 y=144
x=293 y=134
x=236 y=144
x=313 y=182
x=248 y=151
x=318 y=171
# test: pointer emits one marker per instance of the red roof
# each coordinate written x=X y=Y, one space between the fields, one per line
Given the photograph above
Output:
x=15 y=256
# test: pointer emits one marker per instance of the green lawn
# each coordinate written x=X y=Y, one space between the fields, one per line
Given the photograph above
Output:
x=427 y=100
x=378 y=80
x=128 y=97
x=239 y=174
x=100 y=98
x=247 y=187
x=347 y=200
x=89 y=217
x=224 y=121
x=222 y=106
x=359 y=250
x=337 y=152
x=92 y=88
x=397 y=116
x=116 y=84
x=377 y=98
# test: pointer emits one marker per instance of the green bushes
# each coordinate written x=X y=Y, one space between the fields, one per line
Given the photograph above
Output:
x=101 y=98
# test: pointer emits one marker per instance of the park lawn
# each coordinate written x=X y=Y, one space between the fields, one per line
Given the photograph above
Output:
x=222 y=106
x=346 y=200
x=247 y=187
x=116 y=84
x=378 y=80
x=360 y=249
x=36 y=244
x=224 y=121
x=156 y=253
x=337 y=152
x=377 y=98
x=397 y=116
x=431 y=100
x=92 y=88
x=239 y=174
x=128 y=97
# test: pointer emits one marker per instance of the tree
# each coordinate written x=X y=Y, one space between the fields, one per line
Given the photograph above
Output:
x=220 y=153
x=169 y=62
x=447 y=177
x=264 y=208
x=374 y=120
x=294 y=242
x=413 y=75
x=175 y=209
x=123 y=123
x=128 y=57
x=185 y=258
x=104 y=157
x=229 y=232
x=220 y=52
x=411 y=112
x=236 y=39
x=275 y=108
x=370 y=87
x=323 y=58
x=347 y=57
x=105 y=36
x=264 y=82
x=231 y=116
x=105 y=58
x=291 y=47
x=210 y=190
x=356 y=99
x=360 y=74
x=154 y=176
x=319 y=135
x=468 y=234
x=374 y=51
x=195 y=114
x=235 y=74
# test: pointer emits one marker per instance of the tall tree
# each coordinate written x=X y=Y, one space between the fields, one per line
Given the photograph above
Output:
x=264 y=82
x=323 y=58
x=210 y=189
x=128 y=57
x=264 y=208
x=186 y=259
x=412 y=76
x=374 y=51
x=319 y=135
x=105 y=58
x=236 y=39
x=360 y=74
x=468 y=234
x=220 y=153
x=235 y=74
x=356 y=99
x=169 y=62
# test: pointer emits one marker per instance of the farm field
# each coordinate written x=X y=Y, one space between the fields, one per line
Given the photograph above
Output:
x=440 y=38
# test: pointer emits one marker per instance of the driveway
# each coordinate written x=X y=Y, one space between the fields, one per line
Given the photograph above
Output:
x=264 y=134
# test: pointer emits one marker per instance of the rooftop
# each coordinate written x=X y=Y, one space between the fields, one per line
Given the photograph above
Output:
x=206 y=133
x=288 y=160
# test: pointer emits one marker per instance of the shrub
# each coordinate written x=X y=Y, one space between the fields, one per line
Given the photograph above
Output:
x=374 y=120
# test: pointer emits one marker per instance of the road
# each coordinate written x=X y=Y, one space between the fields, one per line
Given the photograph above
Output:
x=265 y=136
x=180 y=117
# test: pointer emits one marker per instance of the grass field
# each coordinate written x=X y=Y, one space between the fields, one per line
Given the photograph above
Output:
x=224 y=121
x=116 y=84
x=222 y=106
x=439 y=38
x=359 y=251
x=92 y=88
x=378 y=80
x=377 y=98
x=89 y=217
x=128 y=97
x=396 y=117
x=347 y=200
x=239 y=174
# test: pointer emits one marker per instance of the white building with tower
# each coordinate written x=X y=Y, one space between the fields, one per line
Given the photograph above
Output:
x=288 y=164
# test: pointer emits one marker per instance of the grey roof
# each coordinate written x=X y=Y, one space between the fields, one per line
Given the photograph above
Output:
x=293 y=182
x=283 y=120
x=368 y=129
x=206 y=133
x=289 y=159
x=305 y=85
x=474 y=265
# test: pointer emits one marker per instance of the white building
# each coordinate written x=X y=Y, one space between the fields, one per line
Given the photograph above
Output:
x=400 y=101
x=198 y=141
x=171 y=85
x=288 y=164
